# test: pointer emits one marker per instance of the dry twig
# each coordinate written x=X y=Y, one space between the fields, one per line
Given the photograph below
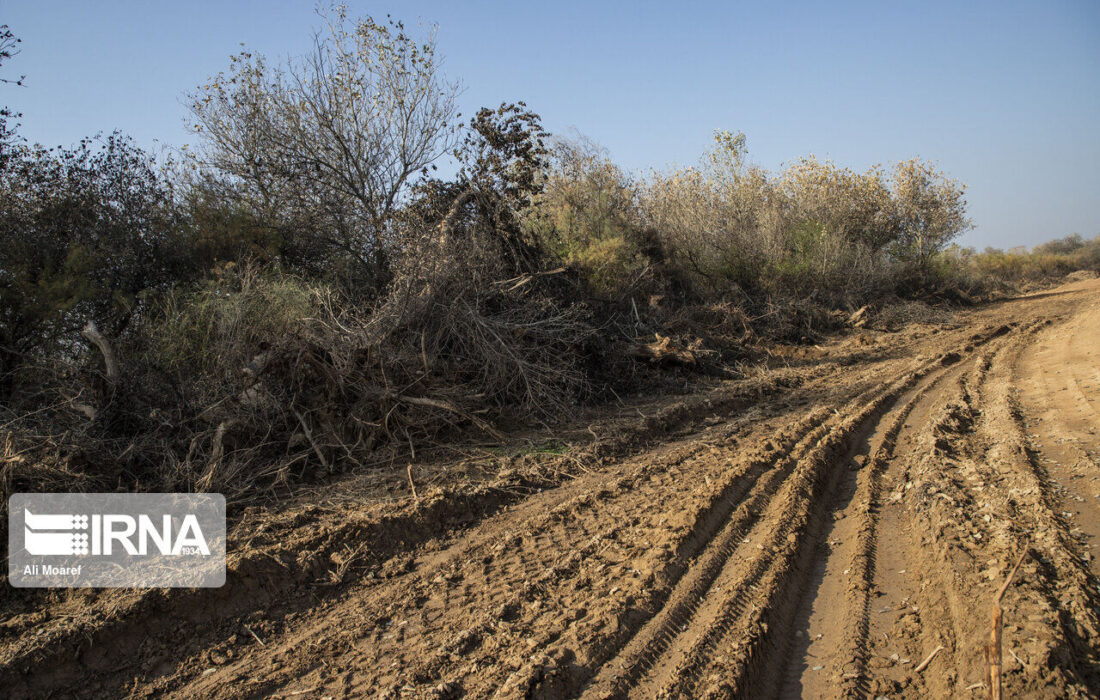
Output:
x=412 y=486
x=443 y=405
x=994 y=650
x=309 y=436
x=255 y=636
x=924 y=664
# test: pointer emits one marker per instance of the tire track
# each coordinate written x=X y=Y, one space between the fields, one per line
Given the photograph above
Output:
x=640 y=483
x=667 y=658
x=783 y=541
x=690 y=584
x=824 y=648
x=1063 y=429
x=847 y=671
x=975 y=496
x=856 y=541
x=655 y=650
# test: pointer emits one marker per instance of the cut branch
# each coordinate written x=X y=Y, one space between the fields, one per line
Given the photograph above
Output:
x=445 y=228
x=412 y=485
x=994 y=651
x=924 y=664
x=110 y=360
x=309 y=436
x=443 y=405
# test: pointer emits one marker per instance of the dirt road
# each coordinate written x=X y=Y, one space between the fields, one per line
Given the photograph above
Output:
x=835 y=526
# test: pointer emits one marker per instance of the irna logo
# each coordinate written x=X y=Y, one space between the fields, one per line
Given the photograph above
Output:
x=104 y=534
x=116 y=540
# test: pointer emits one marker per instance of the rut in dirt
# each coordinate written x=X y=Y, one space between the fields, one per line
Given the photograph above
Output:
x=760 y=544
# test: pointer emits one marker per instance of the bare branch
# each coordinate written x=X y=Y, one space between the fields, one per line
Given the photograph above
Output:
x=109 y=359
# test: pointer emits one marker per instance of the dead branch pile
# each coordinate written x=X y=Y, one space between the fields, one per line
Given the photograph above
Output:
x=663 y=350
x=258 y=380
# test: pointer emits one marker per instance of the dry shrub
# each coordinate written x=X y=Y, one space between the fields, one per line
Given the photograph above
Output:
x=450 y=349
x=1082 y=275
x=479 y=306
x=814 y=232
x=723 y=328
x=790 y=249
x=28 y=458
x=186 y=390
x=995 y=272
x=901 y=313
x=495 y=300
x=1018 y=267
x=798 y=320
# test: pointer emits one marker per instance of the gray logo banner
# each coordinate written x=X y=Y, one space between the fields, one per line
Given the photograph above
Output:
x=116 y=540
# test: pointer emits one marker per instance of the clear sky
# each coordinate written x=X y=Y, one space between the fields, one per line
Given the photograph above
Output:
x=1004 y=96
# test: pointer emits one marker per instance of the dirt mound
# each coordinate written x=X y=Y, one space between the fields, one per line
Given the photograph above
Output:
x=838 y=525
x=1081 y=276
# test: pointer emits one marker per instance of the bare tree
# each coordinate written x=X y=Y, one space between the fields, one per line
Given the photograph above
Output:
x=328 y=142
x=9 y=48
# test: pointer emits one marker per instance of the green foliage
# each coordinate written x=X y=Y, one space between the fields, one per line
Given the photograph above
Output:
x=587 y=215
x=611 y=263
x=208 y=333
x=220 y=230
x=87 y=234
x=795 y=270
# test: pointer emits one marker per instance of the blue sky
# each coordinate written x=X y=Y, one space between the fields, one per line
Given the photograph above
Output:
x=1004 y=96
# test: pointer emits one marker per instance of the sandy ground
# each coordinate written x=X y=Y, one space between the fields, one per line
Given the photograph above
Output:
x=817 y=530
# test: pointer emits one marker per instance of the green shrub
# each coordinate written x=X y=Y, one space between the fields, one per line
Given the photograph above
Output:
x=587 y=216
x=86 y=234
x=211 y=332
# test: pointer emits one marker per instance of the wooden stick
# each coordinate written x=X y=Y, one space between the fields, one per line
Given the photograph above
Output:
x=994 y=652
x=257 y=637
x=445 y=406
x=110 y=360
x=309 y=436
x=424 y=354
x=412 y=486
x=924 y=664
